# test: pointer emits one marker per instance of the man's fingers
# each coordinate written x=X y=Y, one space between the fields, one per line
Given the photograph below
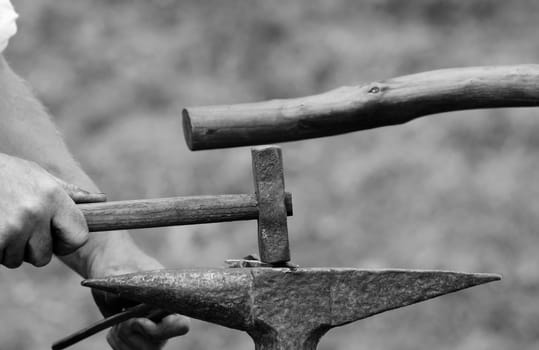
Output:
x=144 y=334
x=17 y=236
x=124 y=337
x=39 y=249
x=79 y=195
x=170 y=326
x=69 y=229
x=116 y=343
x=37 y=212
x=82 y=196
x=14 y=254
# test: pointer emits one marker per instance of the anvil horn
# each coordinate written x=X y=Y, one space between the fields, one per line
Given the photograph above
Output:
x=283 y=308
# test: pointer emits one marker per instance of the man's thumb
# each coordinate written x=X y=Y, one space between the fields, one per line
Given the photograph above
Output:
x=69 y=230
x=69 y=225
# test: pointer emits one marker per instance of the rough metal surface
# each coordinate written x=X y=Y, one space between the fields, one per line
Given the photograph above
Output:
x=269 y=188
x=284 y=308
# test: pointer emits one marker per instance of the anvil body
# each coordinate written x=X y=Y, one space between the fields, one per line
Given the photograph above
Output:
x=284 y=308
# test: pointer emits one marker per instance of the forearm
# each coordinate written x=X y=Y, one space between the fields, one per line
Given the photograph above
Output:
x=26 y=131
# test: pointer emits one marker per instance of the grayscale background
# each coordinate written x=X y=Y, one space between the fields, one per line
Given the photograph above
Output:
x=458 y=191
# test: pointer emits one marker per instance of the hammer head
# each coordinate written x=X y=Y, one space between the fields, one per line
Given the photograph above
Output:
x=272 y=220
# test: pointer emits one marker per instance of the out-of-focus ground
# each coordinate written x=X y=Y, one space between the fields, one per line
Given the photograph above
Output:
x=457 y=192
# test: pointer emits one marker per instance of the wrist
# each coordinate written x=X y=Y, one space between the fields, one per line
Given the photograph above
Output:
x=110 y=253
x=118 y=254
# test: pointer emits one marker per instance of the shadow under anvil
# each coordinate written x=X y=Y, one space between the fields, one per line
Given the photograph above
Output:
x=284 y=308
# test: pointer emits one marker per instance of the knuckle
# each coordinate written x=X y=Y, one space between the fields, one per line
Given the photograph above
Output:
x=51 y=190
x=32 y=210
x=31 y=164
x=81 y=238
x=72 y=244
x=14 y=226
x=13 y=264
x=42 y=260
x=78 y=222
x=186 y=322
x=39 y=256
x=182 y=324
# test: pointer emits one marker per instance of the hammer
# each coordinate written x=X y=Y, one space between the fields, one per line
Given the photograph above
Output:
x=270 y=205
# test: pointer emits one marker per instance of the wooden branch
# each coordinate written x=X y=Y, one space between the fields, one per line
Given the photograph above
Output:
x=353 y=108
x=159 y=212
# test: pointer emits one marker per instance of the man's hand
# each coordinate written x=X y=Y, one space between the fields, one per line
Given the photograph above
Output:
x=136 y=333
x=37 y=215
x=145 y=334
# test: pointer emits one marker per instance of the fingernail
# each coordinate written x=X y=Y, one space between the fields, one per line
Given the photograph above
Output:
x=88 y=197
x=97 y=194
x=78 y=189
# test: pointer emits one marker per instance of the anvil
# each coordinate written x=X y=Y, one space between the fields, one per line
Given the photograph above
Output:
x=283 y=308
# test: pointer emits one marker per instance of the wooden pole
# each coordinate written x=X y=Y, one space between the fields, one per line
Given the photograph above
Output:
x=354 y=108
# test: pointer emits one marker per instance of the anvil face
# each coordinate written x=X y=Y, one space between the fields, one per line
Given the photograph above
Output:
x=297 y=305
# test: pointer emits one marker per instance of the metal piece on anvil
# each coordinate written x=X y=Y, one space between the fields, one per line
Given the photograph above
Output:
x=236 y=263
x=282 y=308
x=269 y=189
x=144 y=213
x=252 y=260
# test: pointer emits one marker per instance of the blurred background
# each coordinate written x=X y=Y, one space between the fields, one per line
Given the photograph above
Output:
x=456 y=192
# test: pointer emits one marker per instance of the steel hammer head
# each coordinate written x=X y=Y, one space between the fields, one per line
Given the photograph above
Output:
x=268 y=177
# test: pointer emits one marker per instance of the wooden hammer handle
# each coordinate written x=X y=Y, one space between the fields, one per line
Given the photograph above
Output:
x=352 y=108
x=172 y=211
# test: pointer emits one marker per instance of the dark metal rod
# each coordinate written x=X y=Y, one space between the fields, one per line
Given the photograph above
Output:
x=136 y=311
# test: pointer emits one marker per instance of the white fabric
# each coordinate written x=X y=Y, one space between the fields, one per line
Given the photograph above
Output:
x=8 y=26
